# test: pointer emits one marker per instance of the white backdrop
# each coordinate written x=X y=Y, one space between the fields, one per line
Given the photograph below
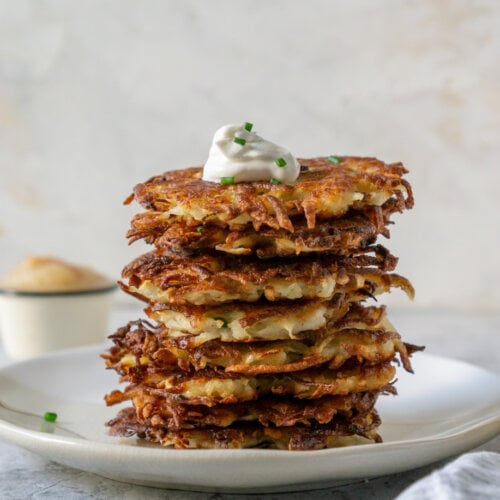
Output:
x=96 y=96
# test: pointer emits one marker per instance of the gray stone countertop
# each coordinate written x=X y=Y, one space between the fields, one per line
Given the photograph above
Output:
x=470 y=336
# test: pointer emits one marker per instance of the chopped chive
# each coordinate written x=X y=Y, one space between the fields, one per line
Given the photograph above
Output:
x=248 y=126
x=50 y=416
x=280 y=162
x=275 y=181
x=334 y=159
x=227 y=180
x=224 y=322
x=200 y=229
x=240 y=141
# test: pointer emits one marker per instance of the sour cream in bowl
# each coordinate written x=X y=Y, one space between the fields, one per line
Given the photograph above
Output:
x=48 y=304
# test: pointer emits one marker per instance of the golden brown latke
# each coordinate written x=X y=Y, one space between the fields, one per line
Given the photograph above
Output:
x=244 y=322
x=370 y=342
x=337 y=432
x=212 y=386
x=342 y=236
x=214 y=278
x=279 y=356
x=323 y=190
x=268 y=411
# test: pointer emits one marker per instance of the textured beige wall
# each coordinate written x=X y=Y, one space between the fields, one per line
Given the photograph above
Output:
x=98 y=95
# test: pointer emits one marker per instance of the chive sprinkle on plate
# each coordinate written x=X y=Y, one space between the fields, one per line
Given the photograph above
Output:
x=50 y=416
x=200 y=229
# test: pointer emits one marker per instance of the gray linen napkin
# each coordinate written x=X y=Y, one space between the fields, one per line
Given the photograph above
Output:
x=471 y=476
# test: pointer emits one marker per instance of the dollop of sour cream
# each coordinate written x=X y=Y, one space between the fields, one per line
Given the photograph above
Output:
x=239 y=155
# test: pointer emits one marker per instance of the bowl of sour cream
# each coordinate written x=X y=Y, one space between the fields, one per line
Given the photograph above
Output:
x=48 y=304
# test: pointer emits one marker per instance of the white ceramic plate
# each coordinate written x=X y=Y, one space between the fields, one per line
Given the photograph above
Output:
x=446 y=408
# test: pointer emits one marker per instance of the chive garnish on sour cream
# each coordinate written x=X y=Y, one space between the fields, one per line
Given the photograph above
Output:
x=248 y=126
x=275 y=181
x=281 y=162
x=227 y=180
x=240 y=141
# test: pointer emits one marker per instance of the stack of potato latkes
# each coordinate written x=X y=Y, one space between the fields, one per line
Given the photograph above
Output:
x=259 y=333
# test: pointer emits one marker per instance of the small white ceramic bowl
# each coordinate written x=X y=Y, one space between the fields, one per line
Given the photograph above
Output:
x=32 y=323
